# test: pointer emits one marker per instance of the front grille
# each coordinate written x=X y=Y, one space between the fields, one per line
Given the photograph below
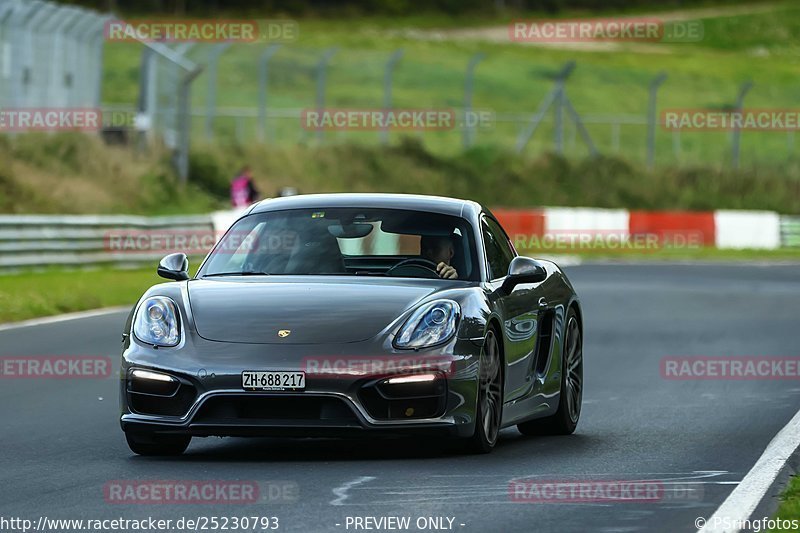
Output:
x=253 y=409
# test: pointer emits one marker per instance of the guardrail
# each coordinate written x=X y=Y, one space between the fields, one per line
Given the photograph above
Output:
x=31 y=241
x=43 y=240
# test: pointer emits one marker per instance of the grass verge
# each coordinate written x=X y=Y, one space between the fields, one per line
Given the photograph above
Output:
x=52 y=292
x=789 y=508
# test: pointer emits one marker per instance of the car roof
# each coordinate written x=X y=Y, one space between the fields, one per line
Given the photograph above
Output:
x=434 y=204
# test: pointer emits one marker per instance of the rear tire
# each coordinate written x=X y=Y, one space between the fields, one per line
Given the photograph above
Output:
x=489 y=409
x=565 y=419
x=157 y=445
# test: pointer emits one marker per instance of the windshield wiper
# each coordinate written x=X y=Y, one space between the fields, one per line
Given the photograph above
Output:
x=245 y=273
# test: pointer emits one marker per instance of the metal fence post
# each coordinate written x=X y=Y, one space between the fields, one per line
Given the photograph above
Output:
x=98 y=44
x=735 y=138
x=469 y=82
x=263 y=87
x=185 y=123
x=78 y=79
x=211 y=96
x=387 y=89
x=557 y=93
x=185 y=72
x=60 y=63
x=30 y=74
x=19 y=70
x=6 y=32
x=49 y=57
x=321 y=70
x=677 y=151
x=652 y=117
x=580 y=126
x=561 y=80
x=45 y=77
x=526 y=134
x=144 y=126
x=615 y=136
x=173 y=71
x=558 y=120
x=151 y=89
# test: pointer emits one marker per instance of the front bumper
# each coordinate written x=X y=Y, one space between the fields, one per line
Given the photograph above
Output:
x=349 y=398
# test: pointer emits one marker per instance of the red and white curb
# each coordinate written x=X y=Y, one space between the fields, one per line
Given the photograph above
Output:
x=722 y=228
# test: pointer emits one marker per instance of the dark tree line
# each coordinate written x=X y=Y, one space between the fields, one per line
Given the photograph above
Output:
x=371 y=7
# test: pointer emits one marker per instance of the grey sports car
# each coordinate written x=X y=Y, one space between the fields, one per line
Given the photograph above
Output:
x=354 y=314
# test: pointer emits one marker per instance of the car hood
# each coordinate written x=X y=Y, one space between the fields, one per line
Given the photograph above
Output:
x=314 y=311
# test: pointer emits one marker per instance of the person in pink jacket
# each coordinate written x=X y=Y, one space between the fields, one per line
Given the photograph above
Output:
x=243 y=190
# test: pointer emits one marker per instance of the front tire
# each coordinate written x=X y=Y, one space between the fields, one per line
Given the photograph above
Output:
x=489 y=410
x=157 y=445
x=565 y=420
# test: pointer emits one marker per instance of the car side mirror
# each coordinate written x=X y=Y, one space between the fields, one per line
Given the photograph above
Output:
x=174 y=266
x=523 y=270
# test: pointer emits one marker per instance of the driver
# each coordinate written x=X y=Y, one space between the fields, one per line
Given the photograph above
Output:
x=440 y=250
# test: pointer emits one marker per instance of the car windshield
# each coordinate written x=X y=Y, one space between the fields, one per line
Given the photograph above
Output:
x=346 y=241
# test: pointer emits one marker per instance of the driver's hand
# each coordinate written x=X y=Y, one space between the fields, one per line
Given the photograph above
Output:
x=445 y=271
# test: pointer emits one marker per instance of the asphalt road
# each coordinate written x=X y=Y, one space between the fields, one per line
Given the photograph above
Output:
x=60 y=442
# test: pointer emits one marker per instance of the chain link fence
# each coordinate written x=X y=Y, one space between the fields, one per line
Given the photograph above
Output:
x=218 y=93
x=258 y=93
x=50 y=55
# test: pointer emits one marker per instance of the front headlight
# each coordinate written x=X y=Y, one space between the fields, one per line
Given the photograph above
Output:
x=431 y=324
x=157 y=323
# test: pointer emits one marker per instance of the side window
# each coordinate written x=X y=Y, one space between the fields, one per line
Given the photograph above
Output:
x=498 y=250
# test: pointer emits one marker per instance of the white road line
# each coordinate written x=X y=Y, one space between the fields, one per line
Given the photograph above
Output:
x=341 y=492
x=751 y=490
x=63 y=318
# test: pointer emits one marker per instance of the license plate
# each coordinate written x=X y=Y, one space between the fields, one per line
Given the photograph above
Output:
x=257 y=380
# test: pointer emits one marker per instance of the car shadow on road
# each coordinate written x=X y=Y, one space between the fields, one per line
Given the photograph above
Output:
x=243 y=450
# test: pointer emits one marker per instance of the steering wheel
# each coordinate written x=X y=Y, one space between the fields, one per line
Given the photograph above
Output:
x=425 y=267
